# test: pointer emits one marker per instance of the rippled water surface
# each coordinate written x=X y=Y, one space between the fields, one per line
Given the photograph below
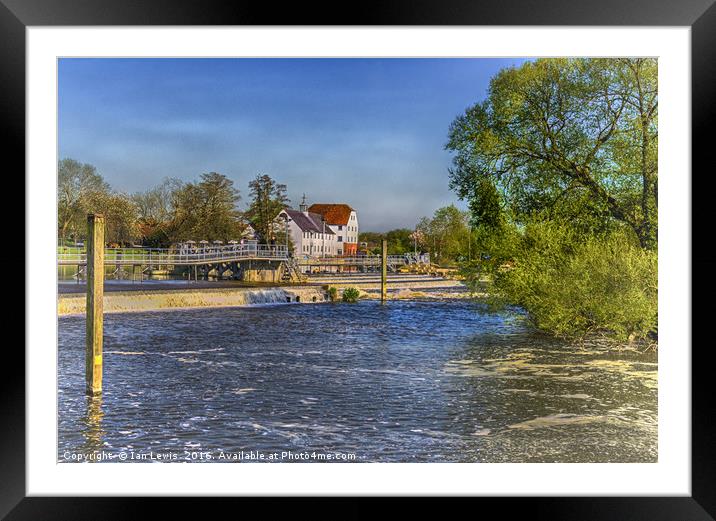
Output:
x=406 y=381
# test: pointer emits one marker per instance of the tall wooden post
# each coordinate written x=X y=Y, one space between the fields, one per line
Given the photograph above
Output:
x=95 y=311
x=384 y=271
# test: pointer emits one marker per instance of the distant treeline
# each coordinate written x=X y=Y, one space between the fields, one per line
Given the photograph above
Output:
x=447 y=236
x=169 y=212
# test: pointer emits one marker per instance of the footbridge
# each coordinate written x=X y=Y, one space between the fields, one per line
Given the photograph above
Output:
x=245 y=261
x=172 y=257
x=249 y=262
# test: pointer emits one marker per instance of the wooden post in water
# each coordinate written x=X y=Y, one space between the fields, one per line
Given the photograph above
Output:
x=95 y=311
x=384 y=271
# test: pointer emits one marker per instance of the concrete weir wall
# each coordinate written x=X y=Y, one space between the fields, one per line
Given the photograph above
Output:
x=129 y=301
x=262 y=271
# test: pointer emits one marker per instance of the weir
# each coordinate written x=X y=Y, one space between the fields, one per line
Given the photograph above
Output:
x=157 y=300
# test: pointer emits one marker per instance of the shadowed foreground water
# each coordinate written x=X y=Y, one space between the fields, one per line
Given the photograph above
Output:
x=404 y=382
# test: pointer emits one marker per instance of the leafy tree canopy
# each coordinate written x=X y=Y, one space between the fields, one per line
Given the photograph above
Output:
x=574 y=138
x=206 y=210
x=268 y=198
x=446 y=236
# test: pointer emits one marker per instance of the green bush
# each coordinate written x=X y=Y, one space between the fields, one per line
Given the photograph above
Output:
x=332 y=293
x=572 y=285
x=351 y=295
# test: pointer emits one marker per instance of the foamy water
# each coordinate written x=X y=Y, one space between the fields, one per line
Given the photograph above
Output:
x=406 y=381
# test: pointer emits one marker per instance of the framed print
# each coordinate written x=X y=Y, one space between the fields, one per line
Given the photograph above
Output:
x=425 y=253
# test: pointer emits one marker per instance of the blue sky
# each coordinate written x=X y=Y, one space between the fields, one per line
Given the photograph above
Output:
x=367 y=132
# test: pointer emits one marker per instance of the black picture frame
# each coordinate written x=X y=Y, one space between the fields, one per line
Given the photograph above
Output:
x=700 y=15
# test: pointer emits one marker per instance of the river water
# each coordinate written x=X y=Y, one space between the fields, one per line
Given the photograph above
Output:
x=402 y=382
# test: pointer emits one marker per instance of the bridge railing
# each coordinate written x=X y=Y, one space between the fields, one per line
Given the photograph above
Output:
x=154 y=256
x=189 y=256
x=365 y=260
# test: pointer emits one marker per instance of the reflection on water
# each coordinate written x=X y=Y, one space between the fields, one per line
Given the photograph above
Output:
x=407 y=381
x=92 y=431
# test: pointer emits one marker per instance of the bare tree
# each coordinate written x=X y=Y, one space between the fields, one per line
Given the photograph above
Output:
x=77 y=184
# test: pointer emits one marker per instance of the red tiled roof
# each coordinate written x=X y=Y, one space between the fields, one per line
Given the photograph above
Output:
x=333 y=213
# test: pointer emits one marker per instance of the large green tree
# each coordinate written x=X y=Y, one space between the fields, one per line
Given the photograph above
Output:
x=446 y=235
x=268 y=198
x=573 y=138
x=206 y=210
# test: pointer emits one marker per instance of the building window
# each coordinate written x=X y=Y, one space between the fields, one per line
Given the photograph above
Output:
x=340 y=238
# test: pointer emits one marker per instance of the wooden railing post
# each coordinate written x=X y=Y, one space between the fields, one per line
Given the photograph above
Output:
x=384 y=272
x=95 y=311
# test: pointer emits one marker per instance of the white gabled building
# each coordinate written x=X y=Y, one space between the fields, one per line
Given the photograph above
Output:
x=311 y=235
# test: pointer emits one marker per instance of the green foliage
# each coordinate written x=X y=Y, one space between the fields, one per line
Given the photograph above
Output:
x=400 y=241
x=351 y=294
x=370 y=237
x=494 y=247
x=573 y=285
x=559 y=169
x=170 y=212
x=446 y=236
x=485 y=204
x=575 y=138
x=268 y=198
x=332 y=293
x=206 y=210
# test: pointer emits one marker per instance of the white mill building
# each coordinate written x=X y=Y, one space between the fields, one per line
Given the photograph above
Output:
x=311 y=235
